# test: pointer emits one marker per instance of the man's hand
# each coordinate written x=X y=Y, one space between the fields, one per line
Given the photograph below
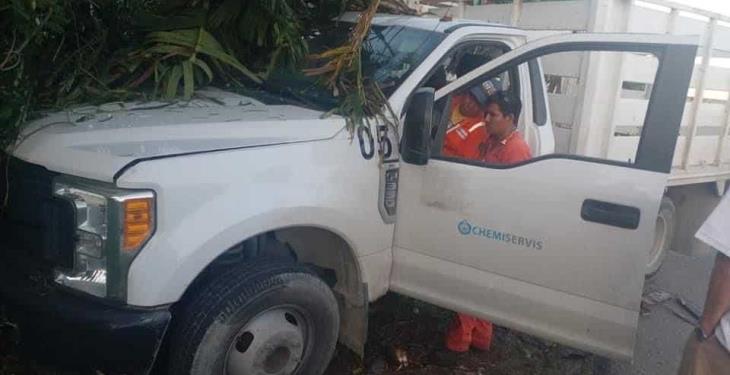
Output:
x=718 y=295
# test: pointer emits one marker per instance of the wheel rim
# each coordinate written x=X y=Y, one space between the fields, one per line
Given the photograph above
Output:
x=272 y=343
x=660 y=238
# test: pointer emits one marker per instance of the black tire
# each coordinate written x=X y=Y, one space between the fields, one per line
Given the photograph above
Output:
x=209 y=323
x=663 y=236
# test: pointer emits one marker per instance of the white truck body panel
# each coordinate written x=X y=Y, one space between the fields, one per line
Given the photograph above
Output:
x=588 y=268
x=97 y=142
x=210 y=202
x=539 y=206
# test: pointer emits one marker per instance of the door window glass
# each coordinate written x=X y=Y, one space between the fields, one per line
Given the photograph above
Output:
x=597 y=113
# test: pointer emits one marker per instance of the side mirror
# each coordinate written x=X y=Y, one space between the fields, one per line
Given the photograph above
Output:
x=416 y=141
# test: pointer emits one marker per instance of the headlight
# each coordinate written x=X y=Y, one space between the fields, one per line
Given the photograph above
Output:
x=112 y=225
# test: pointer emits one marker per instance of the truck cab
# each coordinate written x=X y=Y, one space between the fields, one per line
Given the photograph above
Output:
x=249 y=233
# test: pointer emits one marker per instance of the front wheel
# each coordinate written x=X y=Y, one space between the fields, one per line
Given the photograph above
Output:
x=256 y=319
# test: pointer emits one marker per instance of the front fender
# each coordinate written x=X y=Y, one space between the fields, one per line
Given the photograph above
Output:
x=210 y=202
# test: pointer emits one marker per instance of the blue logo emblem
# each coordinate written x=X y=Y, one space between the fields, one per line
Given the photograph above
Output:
x=464 y=227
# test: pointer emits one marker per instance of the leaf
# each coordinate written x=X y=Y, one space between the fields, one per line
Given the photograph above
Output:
x=226 y=12
x=204 y=67
x=200 y=78
x=230 y=60
x=143 y=77
x=183 y=37
x=168 y=49
x=19 y=8
x=186 y=19
x=188 y=79
x=333 y=52
x=173 y=80
x=208 y=46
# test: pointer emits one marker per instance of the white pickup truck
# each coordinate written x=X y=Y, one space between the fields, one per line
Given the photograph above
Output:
x=248 y=234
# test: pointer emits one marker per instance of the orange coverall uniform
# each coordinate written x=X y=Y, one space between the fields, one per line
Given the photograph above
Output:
x=468 y=139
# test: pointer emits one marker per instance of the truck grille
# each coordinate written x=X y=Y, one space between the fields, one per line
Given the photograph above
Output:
x=34 y=224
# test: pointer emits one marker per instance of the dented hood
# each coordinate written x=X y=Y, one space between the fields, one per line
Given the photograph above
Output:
x=97 y=141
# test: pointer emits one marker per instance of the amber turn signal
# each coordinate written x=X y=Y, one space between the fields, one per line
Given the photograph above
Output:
x=138 y=223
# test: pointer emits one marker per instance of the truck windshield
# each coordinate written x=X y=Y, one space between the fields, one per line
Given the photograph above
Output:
x=389 y=56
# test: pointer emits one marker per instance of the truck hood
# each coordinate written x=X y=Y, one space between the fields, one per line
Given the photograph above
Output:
x=98 y=141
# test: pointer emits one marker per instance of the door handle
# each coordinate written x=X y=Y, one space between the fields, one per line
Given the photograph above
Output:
x=613 y=214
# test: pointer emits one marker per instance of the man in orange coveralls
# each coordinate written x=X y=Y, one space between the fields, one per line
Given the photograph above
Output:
x=500 y=143
x=467 y=127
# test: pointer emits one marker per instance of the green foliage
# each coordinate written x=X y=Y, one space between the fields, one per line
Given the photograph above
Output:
x=55 y=53
x=172 y=56
x=361 y=98
x=261 y=26
x=26 y=28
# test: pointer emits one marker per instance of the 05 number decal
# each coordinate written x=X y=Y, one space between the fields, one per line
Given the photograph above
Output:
x=367 y=150
x=367 y=142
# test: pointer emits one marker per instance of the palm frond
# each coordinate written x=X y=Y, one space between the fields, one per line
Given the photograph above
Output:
x=54 y=53
x=179 y=55
x=342 y=73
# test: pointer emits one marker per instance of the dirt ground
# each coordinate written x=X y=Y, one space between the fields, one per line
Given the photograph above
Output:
x=402 y=327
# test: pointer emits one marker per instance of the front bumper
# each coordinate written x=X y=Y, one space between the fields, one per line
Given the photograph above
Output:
x=60 y=328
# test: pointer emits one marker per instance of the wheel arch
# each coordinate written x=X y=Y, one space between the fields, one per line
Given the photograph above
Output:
x=330 y=254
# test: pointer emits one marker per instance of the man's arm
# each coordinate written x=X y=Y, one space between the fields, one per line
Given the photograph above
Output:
x=718 y=295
